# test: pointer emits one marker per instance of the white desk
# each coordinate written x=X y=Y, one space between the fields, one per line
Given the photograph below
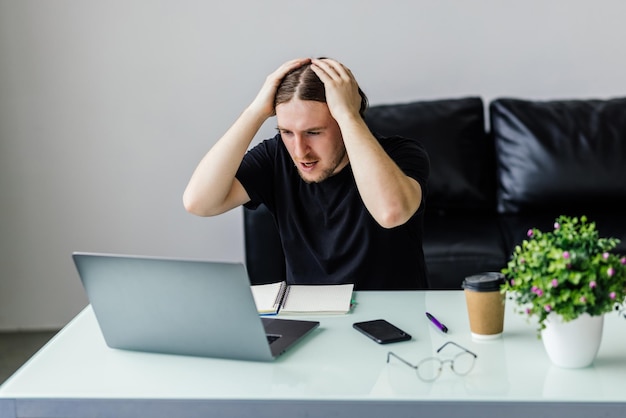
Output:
x=335 y=372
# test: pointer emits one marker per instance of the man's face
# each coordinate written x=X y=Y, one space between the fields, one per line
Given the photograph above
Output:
x=312 y=138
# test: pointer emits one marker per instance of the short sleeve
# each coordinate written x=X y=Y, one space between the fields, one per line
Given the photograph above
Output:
x=256 y=172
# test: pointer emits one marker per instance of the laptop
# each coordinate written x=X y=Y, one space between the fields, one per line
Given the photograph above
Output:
x=184 y=307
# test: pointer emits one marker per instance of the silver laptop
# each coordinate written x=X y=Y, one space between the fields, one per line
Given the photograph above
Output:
x=185 y=307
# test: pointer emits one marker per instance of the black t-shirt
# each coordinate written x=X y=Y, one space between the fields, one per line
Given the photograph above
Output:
x=328 y=235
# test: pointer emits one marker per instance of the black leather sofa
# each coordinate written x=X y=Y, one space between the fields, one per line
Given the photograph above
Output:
x=497 y=169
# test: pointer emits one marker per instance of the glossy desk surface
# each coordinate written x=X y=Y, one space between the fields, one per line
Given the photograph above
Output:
x=336 y=371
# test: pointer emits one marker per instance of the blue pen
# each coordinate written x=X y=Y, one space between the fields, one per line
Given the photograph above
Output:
x=438 y=324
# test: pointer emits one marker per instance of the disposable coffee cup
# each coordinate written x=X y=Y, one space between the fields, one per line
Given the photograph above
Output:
x=485 y=305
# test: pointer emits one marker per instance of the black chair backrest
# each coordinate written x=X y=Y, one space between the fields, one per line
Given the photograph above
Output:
x=265 y=259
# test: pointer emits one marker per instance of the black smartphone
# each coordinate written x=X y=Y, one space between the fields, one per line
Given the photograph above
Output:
x=381 y=331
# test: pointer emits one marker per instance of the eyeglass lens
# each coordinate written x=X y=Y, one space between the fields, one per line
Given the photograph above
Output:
x=463 y=363
x=429 y=369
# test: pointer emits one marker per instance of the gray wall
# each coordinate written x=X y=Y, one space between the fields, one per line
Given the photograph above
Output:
x=107 y=106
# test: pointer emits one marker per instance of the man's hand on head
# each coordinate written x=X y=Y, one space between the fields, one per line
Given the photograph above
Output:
x=342 y=90
x=264 y=101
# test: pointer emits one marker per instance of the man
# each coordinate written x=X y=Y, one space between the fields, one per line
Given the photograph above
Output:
x=348 y=205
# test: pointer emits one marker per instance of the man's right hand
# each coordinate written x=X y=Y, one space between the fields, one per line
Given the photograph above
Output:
x=264 y=101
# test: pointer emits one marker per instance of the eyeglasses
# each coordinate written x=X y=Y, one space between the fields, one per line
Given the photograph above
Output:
x=430 y=368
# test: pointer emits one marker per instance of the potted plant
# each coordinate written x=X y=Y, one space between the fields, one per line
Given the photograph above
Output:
x=567 y=275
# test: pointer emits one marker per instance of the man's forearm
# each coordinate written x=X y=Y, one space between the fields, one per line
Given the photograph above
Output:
x=213 y=189
x=390 y=196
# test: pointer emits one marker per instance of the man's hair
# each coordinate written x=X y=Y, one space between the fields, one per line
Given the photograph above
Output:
x=302 y=83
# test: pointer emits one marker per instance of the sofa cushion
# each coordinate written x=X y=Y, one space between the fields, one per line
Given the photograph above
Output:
x=457 y=246
x=461 y=156
x=568 y=156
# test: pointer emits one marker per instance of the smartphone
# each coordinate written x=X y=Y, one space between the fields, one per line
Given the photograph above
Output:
x=381 y=331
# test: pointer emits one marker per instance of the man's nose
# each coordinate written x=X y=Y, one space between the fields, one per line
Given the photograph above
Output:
x=301 y=146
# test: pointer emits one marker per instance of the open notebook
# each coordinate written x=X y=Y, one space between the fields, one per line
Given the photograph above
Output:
x=279 y=298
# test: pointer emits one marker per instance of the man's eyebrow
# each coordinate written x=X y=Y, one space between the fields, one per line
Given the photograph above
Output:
x=320 y=128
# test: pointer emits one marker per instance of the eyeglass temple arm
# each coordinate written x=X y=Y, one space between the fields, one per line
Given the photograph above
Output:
x=391 y=353
x=461 y=347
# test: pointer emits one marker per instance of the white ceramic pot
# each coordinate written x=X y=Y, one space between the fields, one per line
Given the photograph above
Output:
x=572 y=344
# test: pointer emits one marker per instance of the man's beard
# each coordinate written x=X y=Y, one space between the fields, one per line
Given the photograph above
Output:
x=329 y=172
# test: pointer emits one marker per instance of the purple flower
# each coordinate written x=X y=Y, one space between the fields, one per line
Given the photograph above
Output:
x=555 y=282
x=529 y=233
x=623 y=260
x=528 y=311
x=612 y=295
x=566 y=255
x=556 y=225
x=548 y=308
x=512 y=282
x=583 y=299
x=610 y=272
x=593 y=284
x=605 y=256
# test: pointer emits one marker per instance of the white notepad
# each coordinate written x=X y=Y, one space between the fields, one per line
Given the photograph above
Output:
x=278 y=298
